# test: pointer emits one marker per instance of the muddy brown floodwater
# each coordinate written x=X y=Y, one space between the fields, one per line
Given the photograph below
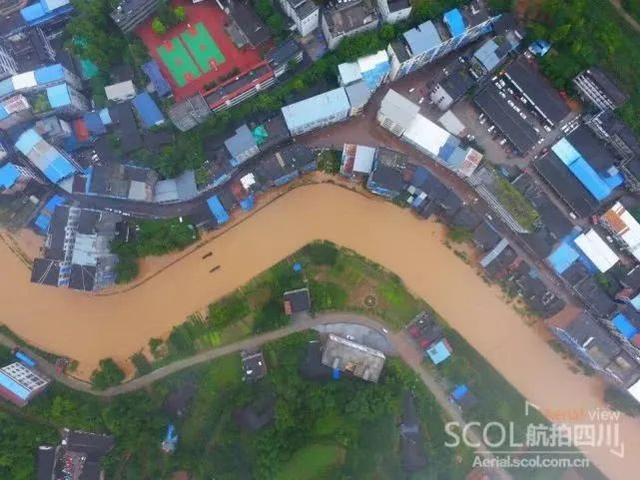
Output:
x=89 y=328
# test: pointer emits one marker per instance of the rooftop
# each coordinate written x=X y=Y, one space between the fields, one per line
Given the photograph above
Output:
x=328 y=104
x=249 y=22
x=605 y=83
x=537 y=89
x=422 y=38
x=347 y=356
x=296 y=301
x=398 y=108
x=346 y=17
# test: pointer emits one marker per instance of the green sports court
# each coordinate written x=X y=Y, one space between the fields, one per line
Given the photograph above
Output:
x=190 y=54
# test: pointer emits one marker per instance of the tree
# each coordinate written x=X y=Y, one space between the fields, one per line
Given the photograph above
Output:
x=107 y=375
x=126 y=269
x=180 y=13
x=158 y=27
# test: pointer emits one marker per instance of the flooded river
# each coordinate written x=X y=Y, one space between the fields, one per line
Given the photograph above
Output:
x=89 y=328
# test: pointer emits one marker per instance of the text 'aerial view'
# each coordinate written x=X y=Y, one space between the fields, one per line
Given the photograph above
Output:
x=319 y=239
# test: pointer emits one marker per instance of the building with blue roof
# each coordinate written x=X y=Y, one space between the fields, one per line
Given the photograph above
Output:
x=38 y=80
x=153 y=73
x=14 y=178
x=54 y=164
x=623 y=325
x=217 y=209
x=94 y=124
x=19 y=384
x=14 y=111
x=439 y=351
x=46 y=11
x=66 y=99
x=431 y=40
x=317 y=112
x=563 y=257
x=147 y=110
x=43 y=219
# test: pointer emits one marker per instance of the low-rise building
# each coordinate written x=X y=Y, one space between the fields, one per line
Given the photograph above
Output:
x=78 y=456
x=53 y=163
x=120 y=92
x=296 y=301
x=14 y=178
x=596 y=250
x=121 y=181
x=317 y=112
x=357 y=161
x=394 y=11
x=77 y=250
x=285 y=165
x=598 y=88
x=19 y=384
x=8 y=65
x=346 y=19
x=387 y=174
x=246 y=26
x=351 y=357
x=304 y=13
x=284 y=55
x=242 y=145
x=452 y=88
x=240 y=88
x=624 y=227
x=537 y=89
x=14 y=111
x=396 y=112
x=253 y=366
x=493 y=53
x=8 y=7
x=189 y=112
x=131 y=13
x=147 y=110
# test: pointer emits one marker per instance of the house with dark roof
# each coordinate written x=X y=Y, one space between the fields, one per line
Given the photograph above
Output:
x=598 y=88
x=498 y=260
x=534 y=292
x=345 y=19
x=297 y=301
x=254 y=366
x=77 y=252
x=387 y=175
x=394 y=11
x=285 y=165
x=122 y=181
x=304 y=13
x=131 y=13
x=537 y=89
x=248 y=27
x=79 y=455
x=288 y=53
x=452 y=88
x=486 y=237
x=242 y=145
x=271 y=133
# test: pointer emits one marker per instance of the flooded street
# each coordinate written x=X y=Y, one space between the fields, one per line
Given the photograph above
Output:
x=89 y=328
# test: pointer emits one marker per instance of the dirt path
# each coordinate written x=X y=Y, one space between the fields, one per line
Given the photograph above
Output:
x=633 y=23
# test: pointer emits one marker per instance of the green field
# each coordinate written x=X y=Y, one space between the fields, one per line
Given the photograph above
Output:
x=202 y=47
x=312 y=462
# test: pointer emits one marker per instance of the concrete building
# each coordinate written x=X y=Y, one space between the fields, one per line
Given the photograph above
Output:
x=253 y=366
x=7 y=7
x=317 y=112
x=77 y=250
x=14 y=178
x=121 y=181
x=396 y=112
x=357 y=161
x=38 y=80
x=452 y=88
x=598 y=88
x=53 y=163
x=63 y=99
x=432 y=40
x=14 y=111
x=346 y=19
x=387 y=173
x=120 y=92
x=242 y=146
x=371 y=69
x=190 y=112
x=351 y=357
x=624 y=227
x=240 y=88
x=296 y=301
x=305 y=14
x=283 y=56
x=596 y=250
x=394 y=11
x=131 y=13
x=19 y=384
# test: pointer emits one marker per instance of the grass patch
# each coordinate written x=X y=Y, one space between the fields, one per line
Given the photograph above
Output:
x=311 y=462
x=516 y=204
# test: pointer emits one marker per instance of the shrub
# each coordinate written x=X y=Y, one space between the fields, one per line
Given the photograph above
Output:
x=459 y=234
x=321 y=253
x=107 y=375
x=158 y=27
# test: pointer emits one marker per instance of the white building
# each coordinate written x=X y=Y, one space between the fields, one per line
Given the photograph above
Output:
x=357 y=161
x=304 y=13
x=347 y=19
x=596 y=250
x=120 y=92
x=396 y=112
x=625 y=227
x=316 y=112
x=394 y=11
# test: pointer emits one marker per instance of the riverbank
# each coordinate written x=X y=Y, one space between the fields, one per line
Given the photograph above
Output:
x=89 y=328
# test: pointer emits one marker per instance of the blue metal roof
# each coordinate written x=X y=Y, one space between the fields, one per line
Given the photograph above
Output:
x=624 y=326
x=422 y=38
x=42 y=222
x=218 y=210
x=58 y=169
x=48 y=74
x=454 y=21
x=58 y=96
x=27 y=141
x=247 y=203
x=373 y=77
x=582 y=170
x=8 y=175
x=439 y=352
x=6 y=87
x=94 y=123
x=13 y=386
x=149 y=113
x=563 y=257
x=105 y=116
x=326 y=105
x=160 y=83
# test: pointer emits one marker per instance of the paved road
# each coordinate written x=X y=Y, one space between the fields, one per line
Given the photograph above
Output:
x=400 y=341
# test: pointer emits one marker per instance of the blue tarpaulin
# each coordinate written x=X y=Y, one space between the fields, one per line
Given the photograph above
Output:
x=8 y=175
x=148 y=112
x=455 y=22
x=218 y=210
x=624 y=326
x=160 y=83
x=459 y=392
x=247 y=203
